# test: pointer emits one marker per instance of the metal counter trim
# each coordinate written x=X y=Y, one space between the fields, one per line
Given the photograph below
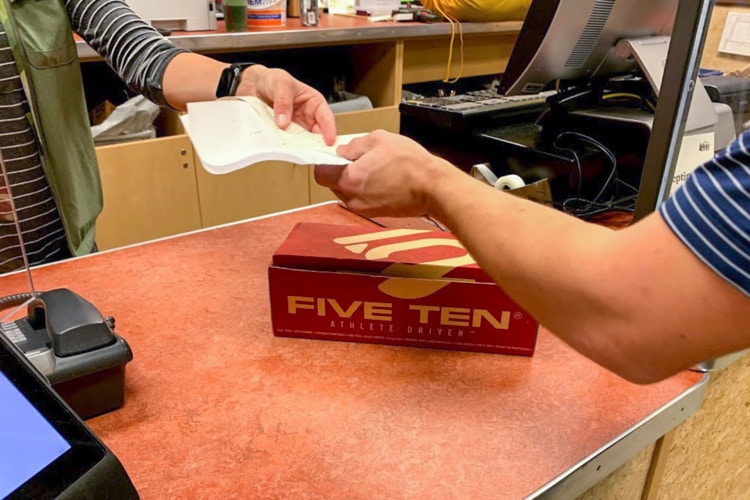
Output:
x=594 y=468
x=256 y=40
x=721 y=362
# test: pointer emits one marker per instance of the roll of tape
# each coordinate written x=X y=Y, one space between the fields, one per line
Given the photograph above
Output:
x=507 y=182
x=483 y=172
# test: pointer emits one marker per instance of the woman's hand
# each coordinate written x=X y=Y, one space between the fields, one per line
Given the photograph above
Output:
x=292 y=100
x=191 y=77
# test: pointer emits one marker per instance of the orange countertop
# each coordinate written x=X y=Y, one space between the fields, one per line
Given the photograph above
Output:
x=217 y=407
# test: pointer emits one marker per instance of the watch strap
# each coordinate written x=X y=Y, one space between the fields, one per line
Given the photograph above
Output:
x=230 y=79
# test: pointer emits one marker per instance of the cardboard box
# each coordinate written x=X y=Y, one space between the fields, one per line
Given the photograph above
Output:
x=406 y=287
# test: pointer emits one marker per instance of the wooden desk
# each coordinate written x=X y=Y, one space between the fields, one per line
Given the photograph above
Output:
x=217 y=407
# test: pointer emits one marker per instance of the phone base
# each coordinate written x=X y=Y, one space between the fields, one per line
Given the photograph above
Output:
x=71 y=344
x=93 y=383
x=94 y=394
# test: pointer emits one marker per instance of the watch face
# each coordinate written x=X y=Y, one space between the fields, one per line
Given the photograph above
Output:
x=228 y=81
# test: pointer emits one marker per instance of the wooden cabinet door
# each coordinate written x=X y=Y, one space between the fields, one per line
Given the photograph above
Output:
x=149 y=191
x=258 y=189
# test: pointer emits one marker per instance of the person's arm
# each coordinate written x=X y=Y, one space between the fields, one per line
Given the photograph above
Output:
x=636 y=301
x=151 y=65
x=131 y=47
x=192 y=77
x=743 y=72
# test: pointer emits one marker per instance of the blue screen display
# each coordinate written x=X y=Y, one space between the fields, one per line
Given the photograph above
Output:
x=28 y=443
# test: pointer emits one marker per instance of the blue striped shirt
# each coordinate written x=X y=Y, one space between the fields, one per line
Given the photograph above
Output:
x=710 y=213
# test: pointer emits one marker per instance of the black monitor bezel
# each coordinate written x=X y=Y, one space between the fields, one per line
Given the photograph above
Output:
x=593 y=58
x=533 y=30
x=85 y=452
x=688 y=38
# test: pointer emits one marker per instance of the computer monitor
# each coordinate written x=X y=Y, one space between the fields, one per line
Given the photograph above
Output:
x=574 y=40
x=46 y=450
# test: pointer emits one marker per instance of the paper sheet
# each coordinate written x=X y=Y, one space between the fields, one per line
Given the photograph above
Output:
x=233 y=133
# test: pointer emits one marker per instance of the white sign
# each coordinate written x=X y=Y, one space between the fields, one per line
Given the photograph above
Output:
x=735 y=39
x=695 y=150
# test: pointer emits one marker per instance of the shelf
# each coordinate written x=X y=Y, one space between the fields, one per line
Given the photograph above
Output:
x=331 y=30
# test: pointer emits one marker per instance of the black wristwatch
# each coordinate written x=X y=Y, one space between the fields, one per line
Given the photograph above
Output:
x=230 y=79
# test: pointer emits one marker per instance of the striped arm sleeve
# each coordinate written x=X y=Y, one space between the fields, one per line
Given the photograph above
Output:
x=710 y=213
x=134 y=49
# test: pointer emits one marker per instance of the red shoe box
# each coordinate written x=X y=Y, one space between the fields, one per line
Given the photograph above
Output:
x=405 y=287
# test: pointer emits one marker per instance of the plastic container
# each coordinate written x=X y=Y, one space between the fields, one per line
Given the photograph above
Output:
x=265 y=13
x=235 y=15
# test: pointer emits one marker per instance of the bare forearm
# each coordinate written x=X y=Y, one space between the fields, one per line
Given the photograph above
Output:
x=544 y=258
x=637 y=300
x=612 y=295
x=191 y=78
x=557 y=267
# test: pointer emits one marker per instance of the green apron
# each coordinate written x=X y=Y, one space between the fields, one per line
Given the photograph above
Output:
x=41 y=38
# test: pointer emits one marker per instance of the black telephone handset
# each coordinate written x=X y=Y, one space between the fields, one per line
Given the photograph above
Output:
x=69 y=341
x=73 y=324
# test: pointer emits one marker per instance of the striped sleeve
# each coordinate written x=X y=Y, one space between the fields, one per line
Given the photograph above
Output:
x=710 y=213
x=134 y=49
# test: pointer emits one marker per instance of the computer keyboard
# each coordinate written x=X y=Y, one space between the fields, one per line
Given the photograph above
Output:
x=459 y=111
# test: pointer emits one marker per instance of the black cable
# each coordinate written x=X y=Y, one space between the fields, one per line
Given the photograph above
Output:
x=588 y=208
x=577 y=160
x=604 y=150
x=14 y=300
